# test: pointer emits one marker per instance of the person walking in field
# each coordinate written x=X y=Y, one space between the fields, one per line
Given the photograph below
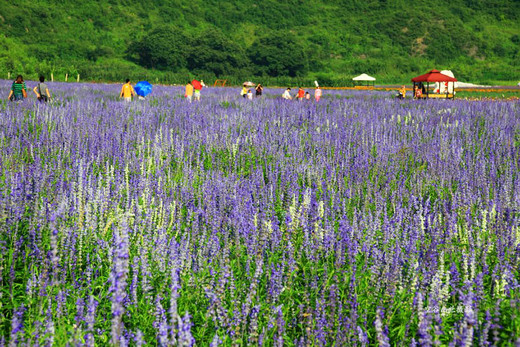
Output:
x=18 y=89
x=197 y=87
x=287 y=94
x=401 y=93
x=127 y=91
x=196 y=93
x=41 y=91
x=259 y=89
x=243 y=92
x=301 y=94
x=317 y=94
x=189 y=91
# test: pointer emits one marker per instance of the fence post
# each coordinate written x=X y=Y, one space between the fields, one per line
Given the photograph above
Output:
x=52 y=77
x=77 y=78
x=66 y=77
x=9 y=75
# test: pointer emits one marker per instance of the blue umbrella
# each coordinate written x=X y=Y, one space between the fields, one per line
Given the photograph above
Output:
x=143 y=88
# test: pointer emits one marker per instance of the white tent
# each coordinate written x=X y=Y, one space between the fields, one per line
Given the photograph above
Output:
x=363 y=77
x=440 y=87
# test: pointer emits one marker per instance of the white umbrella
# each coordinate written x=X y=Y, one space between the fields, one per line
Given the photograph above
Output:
x=249 y=84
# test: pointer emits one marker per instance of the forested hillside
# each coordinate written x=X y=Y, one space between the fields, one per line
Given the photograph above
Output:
x=302 y=40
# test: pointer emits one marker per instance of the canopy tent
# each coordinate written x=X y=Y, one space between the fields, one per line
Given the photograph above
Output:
x=433 y=76
x=445 y=87
x=364 y=78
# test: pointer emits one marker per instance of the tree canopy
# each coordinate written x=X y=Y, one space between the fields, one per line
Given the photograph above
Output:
x=162 y=48
x=279 y=53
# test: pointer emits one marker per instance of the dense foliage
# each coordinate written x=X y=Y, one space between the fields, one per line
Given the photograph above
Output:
x=357 y=220
x=329 y=40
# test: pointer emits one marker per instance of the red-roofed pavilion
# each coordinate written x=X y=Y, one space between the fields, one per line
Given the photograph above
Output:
x=434 y=76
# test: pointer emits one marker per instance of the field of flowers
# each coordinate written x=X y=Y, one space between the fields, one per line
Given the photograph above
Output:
x=358 y=220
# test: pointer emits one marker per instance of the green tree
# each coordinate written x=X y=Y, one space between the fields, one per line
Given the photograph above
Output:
x=212 y=51
x=162 y=48
x=279 y=54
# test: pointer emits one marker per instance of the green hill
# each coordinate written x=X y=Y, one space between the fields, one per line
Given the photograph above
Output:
x=280 y=40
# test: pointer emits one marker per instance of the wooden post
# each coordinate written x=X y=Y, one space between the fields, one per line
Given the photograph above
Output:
x=77 y=80
x=52 y=77
x=8 y=75
x=66 y=77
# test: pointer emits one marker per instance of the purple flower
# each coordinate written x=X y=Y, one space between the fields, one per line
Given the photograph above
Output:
x=185 y=336
x=17 y=325
x=118 y=279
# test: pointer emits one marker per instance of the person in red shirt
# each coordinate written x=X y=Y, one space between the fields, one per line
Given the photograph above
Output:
x=301 y=94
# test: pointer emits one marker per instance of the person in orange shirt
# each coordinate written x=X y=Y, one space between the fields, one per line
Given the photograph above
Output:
x=189 y=91
x=127 y=91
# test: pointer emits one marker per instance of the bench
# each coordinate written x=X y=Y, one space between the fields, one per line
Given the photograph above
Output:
x=439 y=96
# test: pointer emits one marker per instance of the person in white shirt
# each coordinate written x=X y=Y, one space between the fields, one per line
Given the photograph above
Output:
x=287 y=95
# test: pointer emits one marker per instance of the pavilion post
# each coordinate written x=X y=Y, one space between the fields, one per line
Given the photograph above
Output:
x=453 y=93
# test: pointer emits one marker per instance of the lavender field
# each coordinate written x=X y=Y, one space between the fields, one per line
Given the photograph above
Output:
x=359 y=220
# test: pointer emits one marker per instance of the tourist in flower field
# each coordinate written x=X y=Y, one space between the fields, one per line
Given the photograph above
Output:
x=249 y=95
x=127 y=91
x=189 y=91
x=307 y=96
x=287 y=94
x=243 y=92
x=18 y=89
x=401 y=93
x=418 y=93
x=197 y=87
x=42 y=91
x=301 y=94
x=259 y=89
x=317 y=94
